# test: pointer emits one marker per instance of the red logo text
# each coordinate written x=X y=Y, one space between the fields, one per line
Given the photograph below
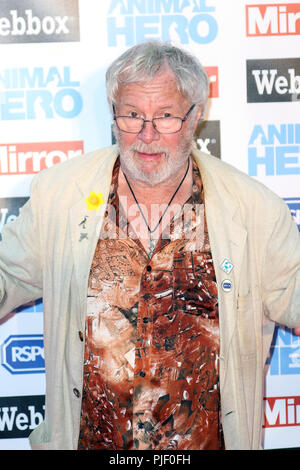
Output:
x=281 y=411
x=213 y=77
x=29 y=158
x=273 y=20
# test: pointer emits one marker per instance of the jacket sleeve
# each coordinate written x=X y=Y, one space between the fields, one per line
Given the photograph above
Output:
x=20 y=265
x=281 y=270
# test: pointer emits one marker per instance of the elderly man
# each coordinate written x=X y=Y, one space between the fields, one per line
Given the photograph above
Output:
x=162 y=271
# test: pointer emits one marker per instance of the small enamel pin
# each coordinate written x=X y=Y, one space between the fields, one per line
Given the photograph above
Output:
x=83 y=235
x=83 y=222
x=226 y=285
x=226 y=266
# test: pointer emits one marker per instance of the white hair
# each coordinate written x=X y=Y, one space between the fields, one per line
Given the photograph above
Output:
x=143 y=61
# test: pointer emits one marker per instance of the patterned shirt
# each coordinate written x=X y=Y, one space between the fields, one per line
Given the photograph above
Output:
x=152 y=336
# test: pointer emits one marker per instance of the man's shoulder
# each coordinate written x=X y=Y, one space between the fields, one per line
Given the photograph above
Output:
x=221 y=170
x=229 y=181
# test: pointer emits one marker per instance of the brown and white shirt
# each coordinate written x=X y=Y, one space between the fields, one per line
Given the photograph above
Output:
x=151 y=365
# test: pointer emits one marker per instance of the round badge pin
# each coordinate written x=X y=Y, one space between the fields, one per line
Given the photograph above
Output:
x=226 y=285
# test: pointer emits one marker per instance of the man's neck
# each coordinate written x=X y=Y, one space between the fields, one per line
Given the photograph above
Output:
x=159 y=194
x=154 y=210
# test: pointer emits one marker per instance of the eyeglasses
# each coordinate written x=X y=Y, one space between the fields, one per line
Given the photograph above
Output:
x=163 y=125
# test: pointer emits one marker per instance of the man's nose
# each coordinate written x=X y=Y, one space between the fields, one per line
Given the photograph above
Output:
x=148 y=134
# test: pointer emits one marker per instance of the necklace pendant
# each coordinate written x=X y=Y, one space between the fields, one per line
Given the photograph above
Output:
x=152 y=246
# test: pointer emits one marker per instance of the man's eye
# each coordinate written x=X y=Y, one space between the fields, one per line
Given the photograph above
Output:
x=166 y=115
x=133 y=114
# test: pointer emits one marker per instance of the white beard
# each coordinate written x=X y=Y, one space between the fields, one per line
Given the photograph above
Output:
x=173 y=162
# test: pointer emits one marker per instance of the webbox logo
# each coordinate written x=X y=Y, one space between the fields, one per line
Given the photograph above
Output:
x=20 y=415
x=273 y=20
x=281 y=411
x=27 y=21
x=10 y=209
x=29 y=158
x=273 y=80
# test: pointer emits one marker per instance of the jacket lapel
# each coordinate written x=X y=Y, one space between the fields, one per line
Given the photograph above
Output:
x=85 y=224
x=228 y=240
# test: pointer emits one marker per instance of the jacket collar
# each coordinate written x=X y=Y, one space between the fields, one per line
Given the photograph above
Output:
x=85 y=224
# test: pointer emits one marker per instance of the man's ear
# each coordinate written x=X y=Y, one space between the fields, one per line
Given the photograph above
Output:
x=199 y=114
x=197 y=118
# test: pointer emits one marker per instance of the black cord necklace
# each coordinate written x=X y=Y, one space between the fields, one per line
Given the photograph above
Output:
x=162 y=216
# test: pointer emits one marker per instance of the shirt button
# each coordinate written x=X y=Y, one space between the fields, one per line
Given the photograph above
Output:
x=80 y=335
x=76 y=392
x=149 y=268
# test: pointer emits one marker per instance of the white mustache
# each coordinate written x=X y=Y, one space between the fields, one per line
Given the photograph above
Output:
x=148 y=148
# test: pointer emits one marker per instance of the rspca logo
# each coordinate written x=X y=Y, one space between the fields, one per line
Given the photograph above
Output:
x=183 y=21
x=23 y=354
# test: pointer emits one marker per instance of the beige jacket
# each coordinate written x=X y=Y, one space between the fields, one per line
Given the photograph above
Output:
x=41 y=255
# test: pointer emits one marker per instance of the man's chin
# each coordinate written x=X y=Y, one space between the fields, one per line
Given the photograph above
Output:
x=148 y=177
x=146 y=170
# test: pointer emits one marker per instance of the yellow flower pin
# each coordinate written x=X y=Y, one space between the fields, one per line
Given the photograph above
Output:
x=94 y=201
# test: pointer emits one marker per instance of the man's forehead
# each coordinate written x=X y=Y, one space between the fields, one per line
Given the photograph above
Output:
x=162 y=86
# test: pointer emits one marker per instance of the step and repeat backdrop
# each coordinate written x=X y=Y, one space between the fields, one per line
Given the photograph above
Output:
x=54 y=54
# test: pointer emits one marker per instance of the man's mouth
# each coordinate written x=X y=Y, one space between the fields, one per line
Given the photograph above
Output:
x=150 y=157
